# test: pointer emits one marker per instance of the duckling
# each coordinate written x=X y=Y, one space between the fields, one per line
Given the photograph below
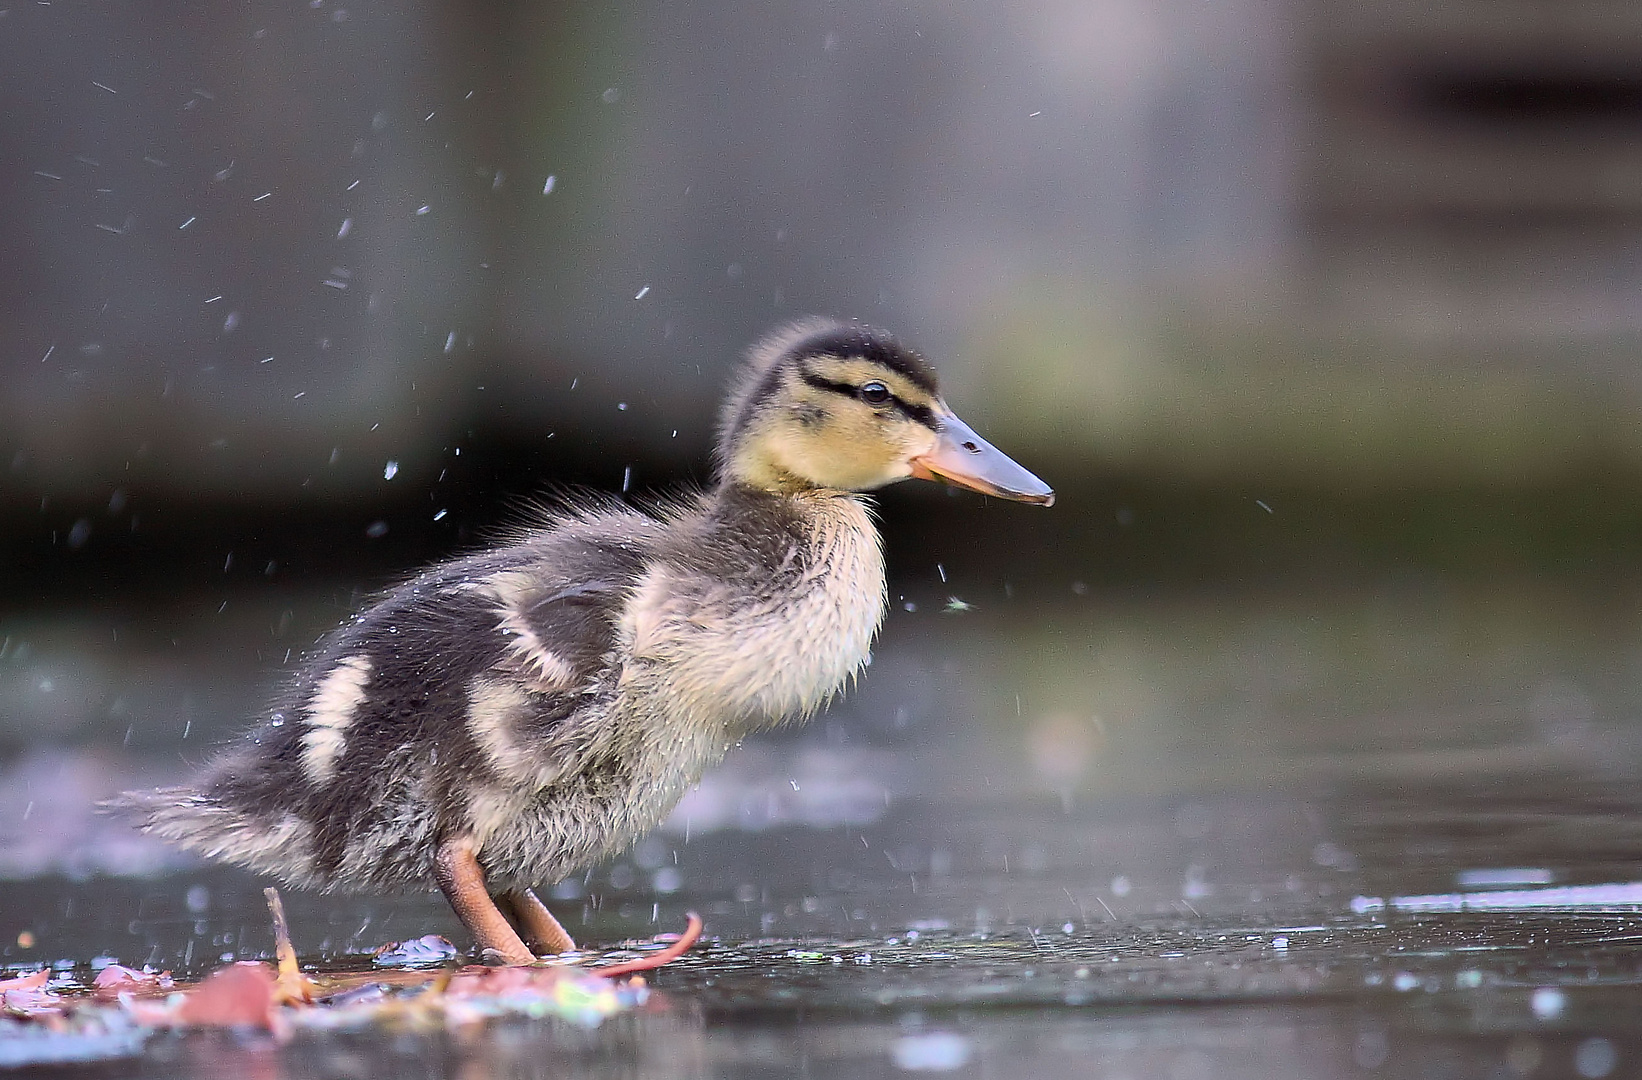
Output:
x=516 y=715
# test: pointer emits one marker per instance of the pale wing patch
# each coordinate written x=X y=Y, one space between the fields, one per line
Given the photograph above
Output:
x=643 y=626
x=514 y=590
x=331 y=710
x=542 y=665
x=495 y=710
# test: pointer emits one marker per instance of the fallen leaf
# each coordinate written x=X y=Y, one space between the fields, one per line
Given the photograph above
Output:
x=239 y=995
x=27 y=995
x=116 y=979
x=31 y=981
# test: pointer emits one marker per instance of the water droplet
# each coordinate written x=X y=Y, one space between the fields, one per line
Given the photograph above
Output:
x=1595 y=1058
x=1547 y=1002
x=937 y=1051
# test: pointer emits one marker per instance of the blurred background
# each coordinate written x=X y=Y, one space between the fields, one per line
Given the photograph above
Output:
x=289 y=280
x=1323 y=318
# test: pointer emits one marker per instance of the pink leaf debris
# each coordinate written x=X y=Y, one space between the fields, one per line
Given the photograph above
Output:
x=27 y=995
x=116 y=979
x=239 y=995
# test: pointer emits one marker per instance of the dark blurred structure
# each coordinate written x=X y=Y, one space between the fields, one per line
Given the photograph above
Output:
x=1476 y=175
x=346 y=280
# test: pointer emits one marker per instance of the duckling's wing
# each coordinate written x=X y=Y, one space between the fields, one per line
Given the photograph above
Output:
x=463 y=685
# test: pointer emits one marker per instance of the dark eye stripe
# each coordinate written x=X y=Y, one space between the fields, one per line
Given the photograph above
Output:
x=827 y=384
x=922 y=414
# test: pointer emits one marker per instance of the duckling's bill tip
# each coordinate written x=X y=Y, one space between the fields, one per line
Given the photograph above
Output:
x=1043 y=495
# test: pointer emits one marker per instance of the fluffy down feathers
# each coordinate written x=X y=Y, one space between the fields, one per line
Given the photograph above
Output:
x=552 y=699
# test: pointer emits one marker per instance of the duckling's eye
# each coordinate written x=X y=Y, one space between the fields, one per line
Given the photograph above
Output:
x=874 y=393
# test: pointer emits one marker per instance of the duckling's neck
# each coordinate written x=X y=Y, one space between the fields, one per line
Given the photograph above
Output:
x=798 y=594
x=752 y=472
x=786 y=496
x=796 y=539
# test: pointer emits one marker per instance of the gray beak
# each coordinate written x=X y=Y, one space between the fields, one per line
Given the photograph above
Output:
x=963 y=458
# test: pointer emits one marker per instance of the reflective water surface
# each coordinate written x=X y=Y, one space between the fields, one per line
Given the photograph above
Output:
x=1393 y=830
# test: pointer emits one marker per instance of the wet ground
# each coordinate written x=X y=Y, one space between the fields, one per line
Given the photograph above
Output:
x=1389 y=830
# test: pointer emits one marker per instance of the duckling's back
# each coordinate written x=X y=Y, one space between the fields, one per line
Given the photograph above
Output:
x=459 y=680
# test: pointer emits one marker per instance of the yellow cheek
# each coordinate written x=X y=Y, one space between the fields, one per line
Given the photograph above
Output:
x=922 y=442
x=866 y=459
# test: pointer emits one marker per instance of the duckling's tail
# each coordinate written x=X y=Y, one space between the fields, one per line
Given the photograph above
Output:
x=146 y=808
x=182 y=815
x=195 y=821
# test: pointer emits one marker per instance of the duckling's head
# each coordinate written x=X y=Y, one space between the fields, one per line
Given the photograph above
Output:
x=831 y=405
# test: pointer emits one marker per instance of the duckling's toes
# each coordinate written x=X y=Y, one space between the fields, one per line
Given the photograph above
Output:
x=540 y=930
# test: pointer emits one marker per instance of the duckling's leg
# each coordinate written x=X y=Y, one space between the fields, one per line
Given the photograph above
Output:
x=542 y=932
x=463 y=883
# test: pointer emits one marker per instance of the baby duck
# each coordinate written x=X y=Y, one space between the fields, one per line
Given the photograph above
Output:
x=513 y=716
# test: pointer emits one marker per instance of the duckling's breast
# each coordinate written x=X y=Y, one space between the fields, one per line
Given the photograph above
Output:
x=708 y=648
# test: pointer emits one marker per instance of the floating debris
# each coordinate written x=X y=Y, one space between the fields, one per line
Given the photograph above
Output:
x=242 y=995
x=49 y=1021
x=29 y=996
x=426 y=951
x=116 y=979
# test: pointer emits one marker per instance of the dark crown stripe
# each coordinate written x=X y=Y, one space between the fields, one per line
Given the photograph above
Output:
x=875 y=347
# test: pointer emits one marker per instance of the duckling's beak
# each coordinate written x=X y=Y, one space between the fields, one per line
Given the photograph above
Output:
x=963 y=458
